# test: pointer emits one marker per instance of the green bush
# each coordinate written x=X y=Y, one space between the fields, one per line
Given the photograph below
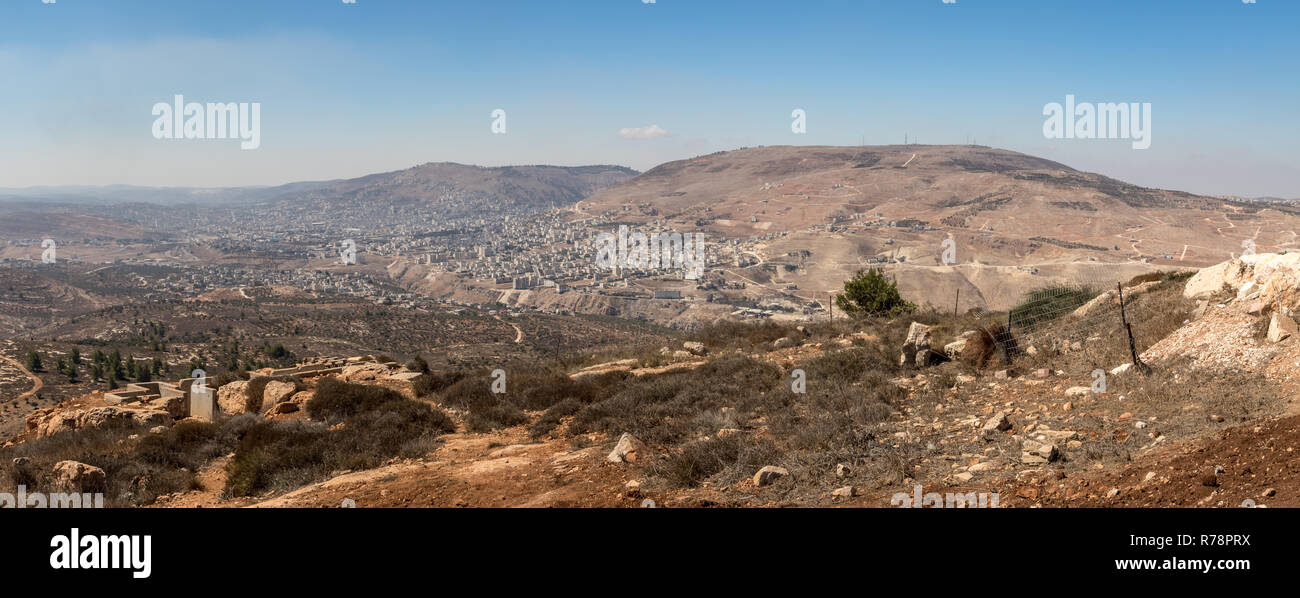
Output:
x=870 y=293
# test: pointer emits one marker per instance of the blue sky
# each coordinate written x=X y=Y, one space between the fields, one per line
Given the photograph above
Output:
x=350 y=89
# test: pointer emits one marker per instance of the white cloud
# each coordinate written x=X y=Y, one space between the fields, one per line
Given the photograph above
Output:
x=649 y=132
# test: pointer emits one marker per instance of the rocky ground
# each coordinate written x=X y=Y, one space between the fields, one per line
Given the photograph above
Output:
x=1214 y=423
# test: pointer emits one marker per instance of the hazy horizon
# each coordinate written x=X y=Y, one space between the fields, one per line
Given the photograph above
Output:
x=67 y=188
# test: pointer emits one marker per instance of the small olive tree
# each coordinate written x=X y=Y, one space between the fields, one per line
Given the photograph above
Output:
x=870 y=293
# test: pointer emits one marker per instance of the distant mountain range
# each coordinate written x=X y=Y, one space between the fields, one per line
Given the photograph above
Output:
x=529 y=185
x=519 y=186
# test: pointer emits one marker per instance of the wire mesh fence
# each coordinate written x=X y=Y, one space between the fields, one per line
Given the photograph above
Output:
x=1063 y=314
x=1096 y=317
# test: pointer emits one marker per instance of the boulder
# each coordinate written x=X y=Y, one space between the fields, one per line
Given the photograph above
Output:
x=916 y=347
x=285 y=407
x=785 y=342
x=1078 y=391
x=52 y=420
x=696 y=348
x=1281 y=291
x=403 y=383
x=232 y=398
x=1038 y=453
x=769 y=474
x=1270 y=278
x=75 y=476
x=998 y=423
x=1281 y=327
x=364 y=372
x=301 y=397
x=104 y=417
x=176 y=407
x=918 y=339
x=1211 y=280
x=954 y=349
x=277 y=392
x=628 y=450
x=1250 y=290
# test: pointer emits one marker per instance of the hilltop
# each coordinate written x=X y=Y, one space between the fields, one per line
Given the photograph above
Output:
x=516 y=186
x=1017 y=222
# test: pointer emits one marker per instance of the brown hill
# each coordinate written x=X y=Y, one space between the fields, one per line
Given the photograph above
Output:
x=1017 y=221
x=520 y=186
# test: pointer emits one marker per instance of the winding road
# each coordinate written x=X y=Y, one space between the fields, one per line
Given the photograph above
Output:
x=37 y=384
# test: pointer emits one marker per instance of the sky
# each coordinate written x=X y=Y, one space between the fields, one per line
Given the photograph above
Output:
x=380 y=85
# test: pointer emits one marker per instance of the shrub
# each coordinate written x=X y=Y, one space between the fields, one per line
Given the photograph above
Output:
x=430 y=383
x=484 y=418
x=730 y=333
x=992 y=344
x=870 y=293
x=666 y=407
x=418 y=364
x=468 y=392
x=537 y=392
x=850 y=364
x=377 y=424
x=551 y=418
x=731 y=459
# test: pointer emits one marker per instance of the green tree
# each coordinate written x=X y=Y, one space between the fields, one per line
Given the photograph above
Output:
x=871 y=293
x=33 y=361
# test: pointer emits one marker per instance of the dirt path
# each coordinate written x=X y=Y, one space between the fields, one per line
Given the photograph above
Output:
x=519 y=332
x=37 y=384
